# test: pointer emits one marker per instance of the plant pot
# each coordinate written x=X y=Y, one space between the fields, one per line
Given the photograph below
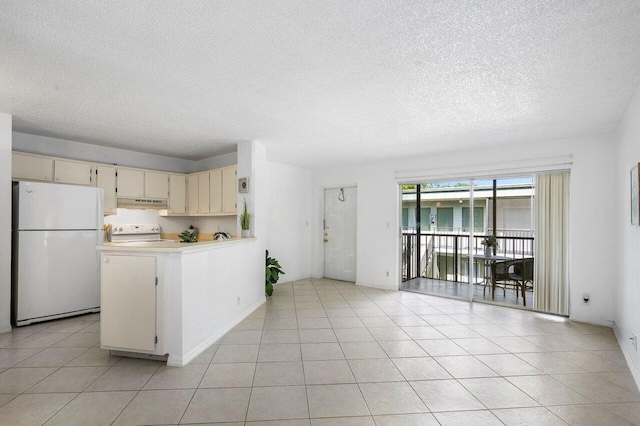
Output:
x=245 y=233
x=487 y=251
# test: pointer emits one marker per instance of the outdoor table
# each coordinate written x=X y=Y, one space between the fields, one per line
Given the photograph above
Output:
x=491 y=259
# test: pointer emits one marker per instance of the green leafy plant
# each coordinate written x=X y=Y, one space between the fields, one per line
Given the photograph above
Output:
x=271 y=274
x=189 y=236
x=245 y=218
x=490 y=241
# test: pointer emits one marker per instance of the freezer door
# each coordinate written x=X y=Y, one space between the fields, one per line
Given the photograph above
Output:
x=53 y=206
x=58 y=272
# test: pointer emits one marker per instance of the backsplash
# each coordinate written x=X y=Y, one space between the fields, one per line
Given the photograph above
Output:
x=168 y=224
x=173 y=224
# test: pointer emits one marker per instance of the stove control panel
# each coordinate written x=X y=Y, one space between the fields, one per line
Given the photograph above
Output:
x=135 y=229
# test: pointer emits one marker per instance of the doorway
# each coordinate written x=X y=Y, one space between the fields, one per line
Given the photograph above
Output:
x=339 y=233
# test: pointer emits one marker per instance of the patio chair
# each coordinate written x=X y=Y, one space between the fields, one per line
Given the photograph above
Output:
x=522 y=274
x=500 y=271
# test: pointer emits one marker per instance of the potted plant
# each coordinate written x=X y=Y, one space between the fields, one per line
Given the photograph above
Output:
x=272 y=274
x=489 y=242
x=245 y=221
x=189 y=236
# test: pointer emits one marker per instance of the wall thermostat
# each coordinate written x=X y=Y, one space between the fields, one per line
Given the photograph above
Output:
x=243 y=184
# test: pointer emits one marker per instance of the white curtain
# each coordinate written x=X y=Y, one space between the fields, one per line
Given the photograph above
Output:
x=551 y=247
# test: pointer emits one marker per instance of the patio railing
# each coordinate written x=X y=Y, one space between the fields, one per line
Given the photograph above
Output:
x=445 y=255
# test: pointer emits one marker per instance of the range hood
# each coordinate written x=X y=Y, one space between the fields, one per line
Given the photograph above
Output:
x=142 y=203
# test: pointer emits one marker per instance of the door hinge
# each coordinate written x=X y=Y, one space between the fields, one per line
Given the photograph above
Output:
x=116 y=174
x=156 y=280
x=96 y=172
x=156 y=340
x=116 y=189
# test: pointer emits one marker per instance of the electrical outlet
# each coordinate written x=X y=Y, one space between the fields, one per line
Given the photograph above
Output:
x=634 y=341
x=238 y=301
x=387 y=273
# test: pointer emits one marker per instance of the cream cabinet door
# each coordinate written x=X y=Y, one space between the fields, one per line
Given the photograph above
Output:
x=203 y=192
x=31 y=167
x=156 y=185
x=72 y=172
x=215 y=191
x=177 y=194
x=192 y=194
x=106 y=179
x=128 y=302
x=130 y=183
x=229 y=189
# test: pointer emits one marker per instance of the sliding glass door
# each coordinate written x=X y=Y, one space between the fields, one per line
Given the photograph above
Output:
x=469 y=239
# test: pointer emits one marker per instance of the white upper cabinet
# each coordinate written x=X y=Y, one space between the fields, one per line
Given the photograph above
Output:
x=222 y=191
x=31 y=167
x=73 y=172
x=215 y=191
x=192 y=194
x=198 y=190
x=207 y=193
x=156 y=185
x=229 y=189
x=106 y=179
x=130 y=183
x=203 y=192
x=177 y=194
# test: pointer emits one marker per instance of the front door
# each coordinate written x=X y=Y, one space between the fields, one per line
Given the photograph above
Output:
x=340 y=234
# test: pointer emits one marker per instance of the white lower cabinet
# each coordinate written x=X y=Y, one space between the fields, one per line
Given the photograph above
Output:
x=128 y=305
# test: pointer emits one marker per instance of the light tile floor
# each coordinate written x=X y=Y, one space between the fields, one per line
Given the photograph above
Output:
x=322 y=352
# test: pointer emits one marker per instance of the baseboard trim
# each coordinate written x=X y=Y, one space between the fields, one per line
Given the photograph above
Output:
x=624 y=347
x=6 y=329
x=591 y=320
x=176 y=361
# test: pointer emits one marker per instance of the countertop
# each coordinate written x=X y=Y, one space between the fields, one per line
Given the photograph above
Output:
x=171 y=246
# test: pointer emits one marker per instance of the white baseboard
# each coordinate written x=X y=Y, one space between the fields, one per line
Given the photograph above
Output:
x=176 y=361
x=591 y=320
x=6 y=329
x=624 y=346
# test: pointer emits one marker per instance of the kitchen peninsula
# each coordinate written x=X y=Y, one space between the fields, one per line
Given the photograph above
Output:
x=176 y=299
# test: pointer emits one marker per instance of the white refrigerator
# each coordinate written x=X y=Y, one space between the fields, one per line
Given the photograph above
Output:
x=56 y=264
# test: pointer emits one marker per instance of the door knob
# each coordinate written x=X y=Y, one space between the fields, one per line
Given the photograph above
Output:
x=326 y=241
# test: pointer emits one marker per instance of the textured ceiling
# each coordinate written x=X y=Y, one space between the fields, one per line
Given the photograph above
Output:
x=318 y=82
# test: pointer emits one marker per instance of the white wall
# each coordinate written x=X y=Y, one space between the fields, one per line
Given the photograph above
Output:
x=626 y=287
x=592 y=240
x=82 y=151
x=289 y=219
x=5 y=222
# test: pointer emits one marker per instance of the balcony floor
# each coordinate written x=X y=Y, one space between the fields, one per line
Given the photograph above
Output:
x=461 y=290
